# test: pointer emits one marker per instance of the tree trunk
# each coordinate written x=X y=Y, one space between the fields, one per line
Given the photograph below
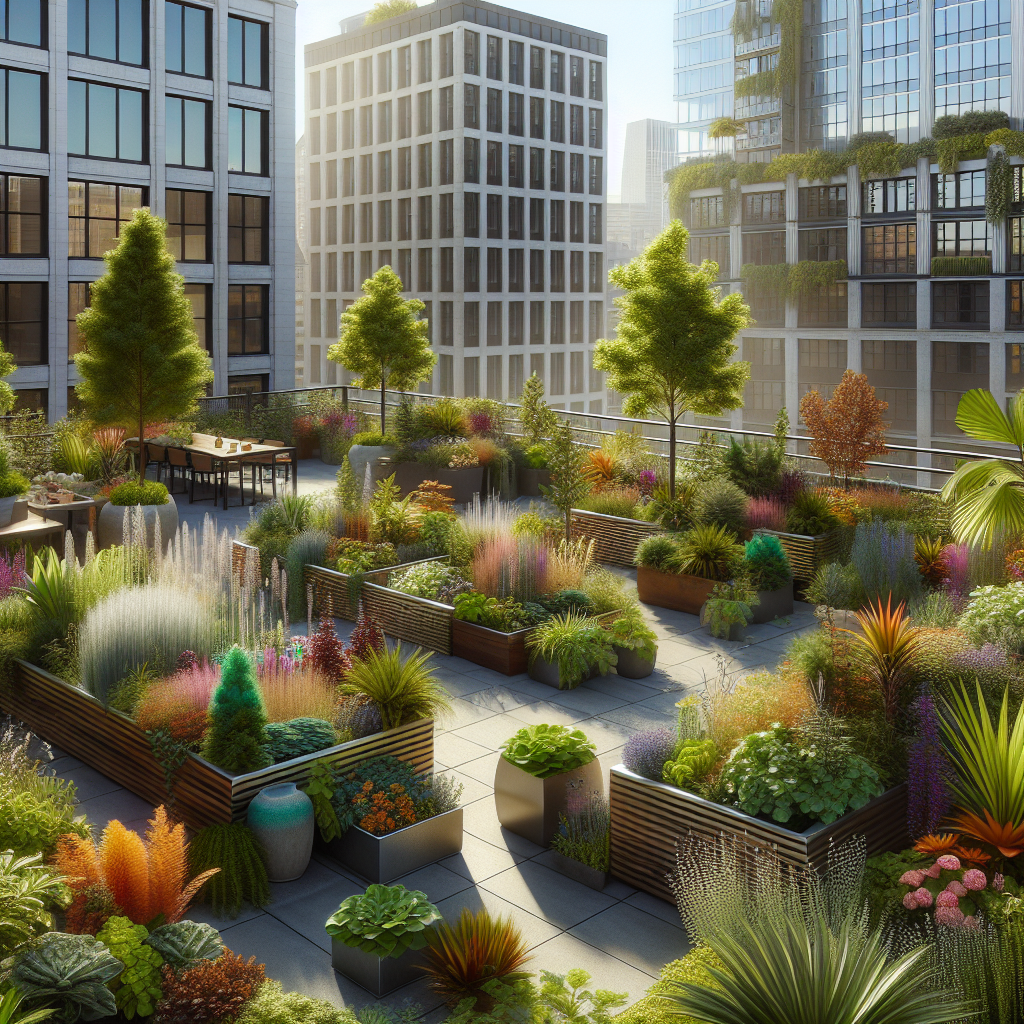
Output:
x=672 y=452
x=568 y=526
x=142 y=451
x=383 y=392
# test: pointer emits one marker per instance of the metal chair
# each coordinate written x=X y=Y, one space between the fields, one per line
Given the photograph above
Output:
x=203 y=466
x=156 y=455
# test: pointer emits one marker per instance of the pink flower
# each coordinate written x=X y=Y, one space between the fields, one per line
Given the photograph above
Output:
x=948 y=862
x=951 y=917
x=975 y=880
x=934 y=871
x=912 y=878
x=922 y=897
x=997 y=882
x=910 y=901
x=956 y=888
x=947 y=899
x=971 y=923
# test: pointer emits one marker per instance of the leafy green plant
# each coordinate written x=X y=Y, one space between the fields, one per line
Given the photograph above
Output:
x=835 y=586
x=653 y=1008
x=691 y=765
x=536 y=418
x=536 y=457
x=430 y=580
x=236 y=737
x=810 y=514
x=810 y=276
x=272 y=1005
x=320 y=790
x=710 y=552
x=242 y=877
x=298 y=737
x=584 y=831
x=68 y=972
x=674 y=513
x=28 y=889
x=754 y=466
x=961 y=266
x=546 y=750
x=568 y=1000
x=994 y=616
x=766 y=563
x=729 y=605
x=10 y=1001
x=660 y=553
x=35 y=811
x=566 y=462
x=133 y=493
x=721 y=503
x=576 y=644
x=183 y=943
x=612 y=501
x=137 y=988
x=403 y=690
x=386 y=920
x=631 y=632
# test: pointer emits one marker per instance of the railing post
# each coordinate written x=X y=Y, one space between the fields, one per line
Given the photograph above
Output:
x=248 y=411
x=344 y=397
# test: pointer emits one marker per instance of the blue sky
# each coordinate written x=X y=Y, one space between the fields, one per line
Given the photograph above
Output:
x=639 y=54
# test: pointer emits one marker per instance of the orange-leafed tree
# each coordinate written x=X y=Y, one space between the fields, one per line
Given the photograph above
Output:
x=848 y=429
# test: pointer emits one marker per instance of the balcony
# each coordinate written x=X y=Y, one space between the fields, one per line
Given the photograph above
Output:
x=748 y=107
x=760 y=141
x=757 y=44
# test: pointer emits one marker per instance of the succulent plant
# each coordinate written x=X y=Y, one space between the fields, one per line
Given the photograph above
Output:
x=386 y=920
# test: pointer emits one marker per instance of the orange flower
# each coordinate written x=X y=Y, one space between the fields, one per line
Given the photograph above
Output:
x=936 y=845
x=971 y=855
x=1007 y=838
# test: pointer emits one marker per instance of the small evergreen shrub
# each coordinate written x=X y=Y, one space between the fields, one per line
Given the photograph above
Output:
x=133 y=493
x=766 y=562
x=236 y=735
x=720 y=502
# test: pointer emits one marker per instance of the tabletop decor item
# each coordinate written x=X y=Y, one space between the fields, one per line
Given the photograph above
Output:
x=218 y=442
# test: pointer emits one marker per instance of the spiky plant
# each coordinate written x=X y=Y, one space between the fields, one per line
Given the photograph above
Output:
x=242 y=877
x=403 y=690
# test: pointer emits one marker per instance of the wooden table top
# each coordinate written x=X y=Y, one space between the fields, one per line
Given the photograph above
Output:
x=225 y=452
x=31 y=526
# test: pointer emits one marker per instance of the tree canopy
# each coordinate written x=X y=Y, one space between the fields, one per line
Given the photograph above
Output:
x=674 y=346
x=384 y=9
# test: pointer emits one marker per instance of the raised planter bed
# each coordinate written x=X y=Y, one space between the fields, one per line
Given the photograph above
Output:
x=464 y=483
x=615 y=538
x=807 y=554
x=528 y=481
x=649 y=818
x=773 y=604
x=113 y=744
x=385 y=858
x=674 y=590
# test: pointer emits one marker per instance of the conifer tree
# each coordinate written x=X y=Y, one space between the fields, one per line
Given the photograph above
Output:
x=236 y=734
x=142 y=361
x=381 y=339
x=537 y=419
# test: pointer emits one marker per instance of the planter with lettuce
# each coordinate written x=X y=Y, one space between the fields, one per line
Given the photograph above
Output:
x=634 y=644
x=156 y=504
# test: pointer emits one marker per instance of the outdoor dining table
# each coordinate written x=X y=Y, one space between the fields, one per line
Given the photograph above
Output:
x=254 y=455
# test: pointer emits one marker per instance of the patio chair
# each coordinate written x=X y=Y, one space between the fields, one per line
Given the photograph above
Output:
x=203 y=466
x=156 y=455
x=177 y=458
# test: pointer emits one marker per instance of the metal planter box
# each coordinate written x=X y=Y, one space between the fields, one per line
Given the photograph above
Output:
x=529 y=806
x=577 y=870
x=378 y=975
x=773 y=604
x=649 y=818
x=385 y=858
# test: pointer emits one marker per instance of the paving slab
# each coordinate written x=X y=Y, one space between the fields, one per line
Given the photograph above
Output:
x=479 y=859
x=547 y=894
x=633 y=936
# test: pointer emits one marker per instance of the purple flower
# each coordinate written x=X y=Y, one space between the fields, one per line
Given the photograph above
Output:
x=927 y=772
x=958 y=586
x=645 y=481
x=646 y=752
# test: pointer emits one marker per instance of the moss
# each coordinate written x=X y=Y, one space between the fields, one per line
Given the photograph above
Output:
x=693 y=968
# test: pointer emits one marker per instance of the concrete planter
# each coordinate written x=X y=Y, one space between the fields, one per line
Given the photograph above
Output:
x=528 y=480
x=633 y=665
x=773 y=604
x=110 y=523
x=464 y=483
x=7 y=509
x=678 y=591
x=543 y=671
x=384 y=858
x=378 y=975
x=577 y=870
x=737 y=631
x=529 y=806
x=361 y=455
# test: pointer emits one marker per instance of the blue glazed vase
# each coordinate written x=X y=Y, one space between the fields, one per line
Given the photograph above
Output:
x=281 y=816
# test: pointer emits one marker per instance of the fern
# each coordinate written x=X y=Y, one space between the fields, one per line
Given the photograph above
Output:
x=242 y=877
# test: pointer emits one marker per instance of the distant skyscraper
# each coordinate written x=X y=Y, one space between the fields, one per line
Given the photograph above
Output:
x=650 y=152
x=704 y=70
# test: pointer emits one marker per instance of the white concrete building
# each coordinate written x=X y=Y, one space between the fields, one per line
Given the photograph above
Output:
x=187 y=108
x=464 y=145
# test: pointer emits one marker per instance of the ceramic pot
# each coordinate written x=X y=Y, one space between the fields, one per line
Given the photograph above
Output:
x=7 y=510
x=110 y=524
x=632 y=664
x=361 y=455
x=281 y=816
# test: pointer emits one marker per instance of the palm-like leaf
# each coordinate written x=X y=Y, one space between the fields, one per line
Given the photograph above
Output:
x=989 y=760
x=1008 y=839
x=802 y=972
x=9 y=1003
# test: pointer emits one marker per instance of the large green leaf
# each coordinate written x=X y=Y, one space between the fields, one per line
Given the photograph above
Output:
x=979 y=416
x=989 y=499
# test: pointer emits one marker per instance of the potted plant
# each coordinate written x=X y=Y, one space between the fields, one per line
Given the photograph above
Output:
x=681 y=573
x=366 y=449
x=12 y=486
x=156 y=505
x=728 y=611
x=634 y=644
x=567 y=649
x=536 y=767
x=376 y=936
x=767 y=568
x=533 y=472
x=581 y=846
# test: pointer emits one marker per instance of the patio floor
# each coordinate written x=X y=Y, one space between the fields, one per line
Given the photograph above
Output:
x=623 y=937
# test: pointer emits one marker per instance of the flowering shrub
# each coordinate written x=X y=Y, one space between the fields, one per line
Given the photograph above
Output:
x=995 y=615
x=12 y=572
x=953 y=891
x=384 y=810
x=928 y=771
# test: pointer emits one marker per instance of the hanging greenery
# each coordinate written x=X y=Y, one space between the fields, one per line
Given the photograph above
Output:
x=974 y=122
x=888 y=159
x=1012 y=141
x=950 y=151
x=746 y=20
x=726 y=128
x=688 y=177
x=790 y=16
x=998 y=186
x=961 y=266
x=772 y=276
x=813 y=275
x=761 y=83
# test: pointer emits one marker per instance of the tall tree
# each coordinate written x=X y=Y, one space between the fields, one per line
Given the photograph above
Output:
x=382 y=340
x=674 y=346
x=537 y=420
x=142 y=361
x=566 y=461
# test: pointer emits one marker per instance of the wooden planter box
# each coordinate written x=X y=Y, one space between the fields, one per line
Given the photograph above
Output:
x=807 y=554
x=113 y=744
x=677 y=591
x=615 y=538
x=528 y=481
x=649 y=818
x=464 y=483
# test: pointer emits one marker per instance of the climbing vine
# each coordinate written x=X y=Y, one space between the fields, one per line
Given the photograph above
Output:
x=812 y=275
x=1011 y=141
x=772 y=276
x=951 y=151
x=998 y=186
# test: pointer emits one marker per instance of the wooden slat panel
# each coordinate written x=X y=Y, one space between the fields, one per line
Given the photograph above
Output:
x=615 y=539
x=502 y=652
x=240 y=555
x=807 y=554
x=422 y=622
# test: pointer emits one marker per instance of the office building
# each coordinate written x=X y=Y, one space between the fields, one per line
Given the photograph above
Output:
x=704 y=73
x=464 y=146
x=187 y=108
x=924 y=332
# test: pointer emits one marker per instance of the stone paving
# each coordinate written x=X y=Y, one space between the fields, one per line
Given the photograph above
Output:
x=623 y=937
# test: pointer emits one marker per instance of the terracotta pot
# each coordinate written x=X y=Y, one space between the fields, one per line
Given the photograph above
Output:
x=673 y=590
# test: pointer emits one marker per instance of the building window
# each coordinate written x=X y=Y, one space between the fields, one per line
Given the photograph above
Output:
x=426 y=218
x=596 y=140
x=536 y=270
x=78 y=300
x=1015 y=306
x=187 y=46
x=471 y=324
x=516 y=270
x=22 y=216
x=890 y=195
x=596 y=232
x=494 y=216
x=188 y=128
x=494 y=162
x=536 y=168
x=557 y=133
x=494 y=275
x=767 y=306
x=596 y=175
x=516 y=166
x=557 y=372
x=710 y=247
x=596 y=273
x=247 y=140
x=536 y=67
x=494 y=110
x=536 y=118
x=764 y=208
x=824 y=307
x=23 y=321
x=556 y=226
x=200 y=297
x=248 y=219
x=247 y=53
x=596 y=90
x=471 y=269
x=22 y=22
x=471 y=160
x=557 y=80
x=764 y=248
x=515 y=113
x=471 y=376
x=108 y=29
x=493 y=324
x=423 y=61
x=248 y=332
x=889 y=249
x=471 y=214
x=471 y=106
x=558 y=270
x=821 y=202
x=106 y=122
x=249 y=384
x=596 y=325
x=188 y=219
x=964 y=304
x=823 y=244
x=707 y=212
x=961 y=238
x=889 y=305
x=958 y=191
x=575 y=125
x=96 y=213
x=21 y=94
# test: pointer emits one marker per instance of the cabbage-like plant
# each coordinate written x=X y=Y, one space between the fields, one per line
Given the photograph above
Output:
x=70 y=972
x=386 y=920
x=183 y=943
x=545 y=750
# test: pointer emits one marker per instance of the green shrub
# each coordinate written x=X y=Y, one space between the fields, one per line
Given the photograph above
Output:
x=810 y=514
x=236 y=735
x=546 y=750
x=536 y=456
x=692 y=968
x=566 y=602
x=673 y=513
x=307 y=548
x=373 y=439
x=720 y=502
x=272 y=1005
x=766 y=562
x=576 y=644
x=384 y=921
x=836 y=586
x=660 y=553
x=606 y=590
x=612 y=501
x=298 y=737
x=711 y=552
x=630 y=631
x=184 y=943
x=137 y=988
x=28 y=891
x=882 y=892
x=754 y=466
x=133 y=493
x=242 y=877
x=434 y=581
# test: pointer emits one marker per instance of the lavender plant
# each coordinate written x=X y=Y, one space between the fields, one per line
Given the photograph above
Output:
x=645 y=753
x=928 y=771
x=584 y=831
